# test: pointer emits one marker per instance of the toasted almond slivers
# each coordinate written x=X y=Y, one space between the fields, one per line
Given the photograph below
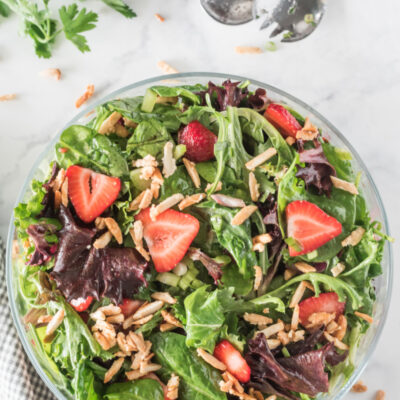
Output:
x=8 y=97
x=147 y=161
x=108 y=125
x=136 y=202
x=165 y=205
x=57 y=199
x=260 y=159
x=59 y=180
x=295 y=318
x=99 y=223
x=98 y=315
x=248 y=50
x=110 y=309
x=129 y=123
x=354 y=238
x=298 y=335
x=164 y=67
x=210 y=359
x=146 y=199
x=273 y=343
x=228 y=377
x=339 y=344
x=344 y=185
x=298 y=294
x=283 y=338
x=44 y=319
x=192 y=171
x=169 y=162
x=309 y=286
x=55 y=322
x=363 y=316
x=123 y=345
x=288 y=274
x=290 y=140
x=163 y=296
x=148 y=309
x=257 y=319
x=243 y=214
x=380 y=395
x=273 y=329
x=218 y=187
x=332 y=327
x=167 y=327
x=254 y=187
x=51 y=73
x=264 y=238
x=338 y=269
x=308 y=132
x=143 y=320
x=341 y=332
x=115 y=367
x=133 y=375
x=115 y=319
x=114 y=228
x=319 y=319
x=304 y=267
x=190 y=200
x=102 y=340
x=170 y=319
x=359 y=387
x=85 y=97
x=172 y=387
x=103 y=240
x=273 y=397
x=258 y=276
x=64 y=193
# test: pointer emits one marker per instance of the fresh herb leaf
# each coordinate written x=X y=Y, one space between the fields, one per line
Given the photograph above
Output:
x=121 y=7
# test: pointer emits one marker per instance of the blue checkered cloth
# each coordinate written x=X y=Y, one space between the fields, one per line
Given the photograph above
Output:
x=18 y=378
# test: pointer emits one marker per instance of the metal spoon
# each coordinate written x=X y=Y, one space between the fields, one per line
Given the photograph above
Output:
x=295 y=18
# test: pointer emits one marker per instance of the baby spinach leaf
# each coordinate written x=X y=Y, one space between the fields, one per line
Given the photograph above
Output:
x=142 y=389
x=198 y=380
x=176 y=91
x=231 y=277
x=84 y=383
x=178 y=182
x=149 y=137
x=89 y=149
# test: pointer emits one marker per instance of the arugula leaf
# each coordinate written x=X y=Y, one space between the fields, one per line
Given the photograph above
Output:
x=90 y=149
x=198 y=380
x=75 y=22
x=142 y=389
x=121 y=7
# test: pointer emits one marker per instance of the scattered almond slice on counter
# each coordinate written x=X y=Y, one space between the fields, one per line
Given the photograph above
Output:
x=359 y=387
x=166 y=68
x=380 y=395
x=160 y=19
x=344 y=185
x=85 y=97
x=248 y=50
x=51 y=73
x=8 y=97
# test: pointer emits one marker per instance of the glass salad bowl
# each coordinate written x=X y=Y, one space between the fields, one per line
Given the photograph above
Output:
x=383 y=283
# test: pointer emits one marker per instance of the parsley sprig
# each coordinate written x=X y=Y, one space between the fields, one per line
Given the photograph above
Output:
x=39 y=23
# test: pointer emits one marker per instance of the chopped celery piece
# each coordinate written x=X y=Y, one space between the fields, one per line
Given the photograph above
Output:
x=139 y=183
x=187 y=279
x=193 y=269
x=168 y=279
x=179 y=151
x=196 y=284
x=149 y=101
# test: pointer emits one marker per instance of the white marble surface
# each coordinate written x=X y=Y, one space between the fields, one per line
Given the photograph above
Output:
x=349 y=70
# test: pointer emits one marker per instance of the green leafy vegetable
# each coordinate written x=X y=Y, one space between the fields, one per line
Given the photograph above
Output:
x=166 y=91
x=142 y=389
x=121 y=7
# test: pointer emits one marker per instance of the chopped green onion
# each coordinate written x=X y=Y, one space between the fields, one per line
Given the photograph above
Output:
x=179 y=151
x=287 y=35
x=271 y=46
x=168 y=279
x=244 y=84
x=309 y=18
x=149 y=101
x=285 y=352
x=358 y=178
x=196 y=284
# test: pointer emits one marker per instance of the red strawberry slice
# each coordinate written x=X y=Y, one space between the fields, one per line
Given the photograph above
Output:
x=199 y=142
x=168 y=237
x=81 y=304
x=129 y=306
x=90 y=192
x=309 y=226
x=235 y=363
x=325 y=302
x=281 y=118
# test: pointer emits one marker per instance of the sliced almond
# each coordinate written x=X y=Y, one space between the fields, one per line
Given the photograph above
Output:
x=354 y=238
x=44 y=319
x=218 y=187
x=164 y=297
x=57 y=199
x=273 y=343
x=136 y=202
x=260 y=159
x=332 y=327
x=380 y=395
x=363 y=316
x=147 y=161
x=290 y=140
x=342 y=323
x=309 y=286
x=288 y=274
x=116 y=319
x=169 y=162
x=273 y=329
x=295 y=318
x=338 y=269
x=308 y=132
x=123 y=344
x=243 y=214
x=257 y=277
x=172 y=387
x=166 y=68
x=256 y=319
x=344 y=185
x=146 y=199
x=110 y=309
x=283 y=338
x=51 y=73
x=298 y=294
x=59 y=180
x=254 y=187
x=320 y=318
x=190 y=200
x=102 y=341
x=109 y=123
x=115 y=367
x=133 y=375
x=273 y=397
x=8 y=97
x=298 y=335
x=114 y=228
x=165 y=205
x=248 y=50
x=359 y=387
x=167 y=327
x=99 y=223
x=169 y=318
x=103 y=240
x=85 y=97
x=264 y=238
x=148 y=309
x=337 y=343
x=55 y=322
x=192 y=171
x=121 y=131
x=143 y=320
x=210 y=359
x=64 y=193
x=304 y=267
x=146 y=368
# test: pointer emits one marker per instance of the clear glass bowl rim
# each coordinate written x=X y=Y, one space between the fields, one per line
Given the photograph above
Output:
x=211 y=75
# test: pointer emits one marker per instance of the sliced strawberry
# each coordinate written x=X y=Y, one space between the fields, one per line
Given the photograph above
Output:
x=168 y=237
x=90 y=192
x=281 y=118
x=199 y=142
x=81 y=304
x=129 y=306
x=309 y=226
x=325 y=302
x=235 y=363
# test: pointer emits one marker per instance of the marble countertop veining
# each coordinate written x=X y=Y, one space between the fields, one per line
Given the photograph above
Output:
x=348 y=69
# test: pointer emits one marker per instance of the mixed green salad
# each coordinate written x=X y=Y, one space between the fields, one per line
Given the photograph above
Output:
x=197 y=242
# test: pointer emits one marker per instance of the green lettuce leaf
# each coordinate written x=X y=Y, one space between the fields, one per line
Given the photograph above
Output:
x=142 y=389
